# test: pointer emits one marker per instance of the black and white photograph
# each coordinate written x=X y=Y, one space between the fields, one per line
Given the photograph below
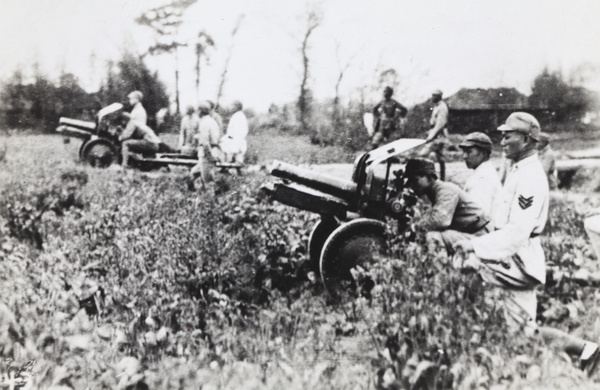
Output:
x=299 y=194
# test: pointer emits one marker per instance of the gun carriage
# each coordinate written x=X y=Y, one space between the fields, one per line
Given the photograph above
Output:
x=101 y=146
x=351 y=231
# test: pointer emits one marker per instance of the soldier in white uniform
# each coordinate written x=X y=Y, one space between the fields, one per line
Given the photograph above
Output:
x=483 y=186
x=511 y=257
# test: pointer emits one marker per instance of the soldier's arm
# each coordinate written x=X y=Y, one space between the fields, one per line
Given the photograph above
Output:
x=402 y=111
x=376 y=110
x=442 y=211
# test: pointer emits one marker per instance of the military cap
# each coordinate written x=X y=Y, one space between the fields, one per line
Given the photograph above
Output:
x=477 y=139
x=523 y=123
x=204 y=107
x=415 y=166
x=136 y=94
x=436 y=92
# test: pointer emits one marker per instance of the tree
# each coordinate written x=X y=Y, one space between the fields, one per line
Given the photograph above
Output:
x=304 y=103
x=203 y=42
x=131 y=74
x=567 y=102
x=228 y=59
x=165 y=22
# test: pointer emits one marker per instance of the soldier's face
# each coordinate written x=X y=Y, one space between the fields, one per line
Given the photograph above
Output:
x=420 y=183
x=473 y=157
x=513 y=144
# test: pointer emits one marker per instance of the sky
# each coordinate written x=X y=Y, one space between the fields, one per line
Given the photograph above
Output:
x=436 y=44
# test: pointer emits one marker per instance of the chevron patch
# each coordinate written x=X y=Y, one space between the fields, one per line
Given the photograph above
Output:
x=524 y=202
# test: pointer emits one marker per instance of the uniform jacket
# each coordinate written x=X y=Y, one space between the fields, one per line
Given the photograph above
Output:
x=451 y=208
x=519 y=218
x=189 y=128
x=439 y=118
x=484 y=187
x=388 y=112
x=208 y=132
x=137 y=128
x=237 y=130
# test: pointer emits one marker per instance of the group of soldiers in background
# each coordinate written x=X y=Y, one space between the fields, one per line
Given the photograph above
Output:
x=201 y=136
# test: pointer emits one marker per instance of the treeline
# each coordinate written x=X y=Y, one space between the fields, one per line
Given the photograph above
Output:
x=37 y=103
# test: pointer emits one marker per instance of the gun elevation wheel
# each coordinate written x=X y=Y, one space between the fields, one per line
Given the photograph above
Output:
x=318 y=236
x=99 y=153
x=356 y=243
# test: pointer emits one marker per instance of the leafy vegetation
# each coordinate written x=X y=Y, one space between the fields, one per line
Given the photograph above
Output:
x=139 y=283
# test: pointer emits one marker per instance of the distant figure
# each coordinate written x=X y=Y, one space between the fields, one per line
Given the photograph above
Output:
x=161 y=118
x=387 y=114
x=207 y=137
x=483 y=186
x=189 y=128
x=137 y=136
x=438 y=133
x=233 y=144
x=547 y=157
x=216 y=116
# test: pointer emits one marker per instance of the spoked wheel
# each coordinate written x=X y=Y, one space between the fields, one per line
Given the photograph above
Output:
x=318 y=236
x=99 y=153
x=356 y=243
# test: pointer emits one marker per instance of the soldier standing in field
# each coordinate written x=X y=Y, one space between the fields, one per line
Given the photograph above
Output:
x=387 y=115
x=438 y=133
x=206 y=138
x=512 y=257
x=189 y=128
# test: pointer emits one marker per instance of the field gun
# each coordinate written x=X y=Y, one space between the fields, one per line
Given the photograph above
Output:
x=101 y=146
x=353 y=212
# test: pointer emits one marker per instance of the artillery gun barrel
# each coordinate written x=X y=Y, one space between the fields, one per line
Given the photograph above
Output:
x=344 y=189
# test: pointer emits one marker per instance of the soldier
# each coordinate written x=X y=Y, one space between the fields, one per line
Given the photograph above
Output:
x=137 y=136
x=189 y=128
x=207 y=137
x=453 y=216
x=483 y=186
x=387 y=114
x=233 y=142
x=548 y=160
x=438 y=133
x=512 y=257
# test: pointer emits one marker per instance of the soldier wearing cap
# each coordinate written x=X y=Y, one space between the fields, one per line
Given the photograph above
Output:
x=188 y=129
x=387 y=115
x=548 y=159
x=206 y=138
x=137 y=135
x=512 y=257
x=438 y=133
x=453 y=216
x=483 y=186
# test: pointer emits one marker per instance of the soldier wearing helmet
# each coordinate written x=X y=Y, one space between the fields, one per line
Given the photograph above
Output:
x=483 y=186
x=453 y=216
x=512 y=257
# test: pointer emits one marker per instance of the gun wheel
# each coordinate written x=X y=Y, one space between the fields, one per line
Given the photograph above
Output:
x=357 y=243
x=99 y=153
x=320 y=233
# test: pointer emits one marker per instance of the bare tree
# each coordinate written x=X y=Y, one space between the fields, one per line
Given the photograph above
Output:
x=229 y=55
x=203 y=42
x=342 y=68
x=313 y=21
x=165 y=22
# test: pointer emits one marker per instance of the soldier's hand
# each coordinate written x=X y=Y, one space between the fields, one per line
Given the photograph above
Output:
x=464 y=246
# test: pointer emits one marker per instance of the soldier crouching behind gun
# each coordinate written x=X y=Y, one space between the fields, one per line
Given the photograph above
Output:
x=453 y=215
x=137 y=135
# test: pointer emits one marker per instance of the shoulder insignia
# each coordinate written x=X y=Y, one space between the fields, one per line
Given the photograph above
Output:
x=524 y=202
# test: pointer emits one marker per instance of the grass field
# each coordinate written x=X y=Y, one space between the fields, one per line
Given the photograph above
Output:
x=124 y=279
